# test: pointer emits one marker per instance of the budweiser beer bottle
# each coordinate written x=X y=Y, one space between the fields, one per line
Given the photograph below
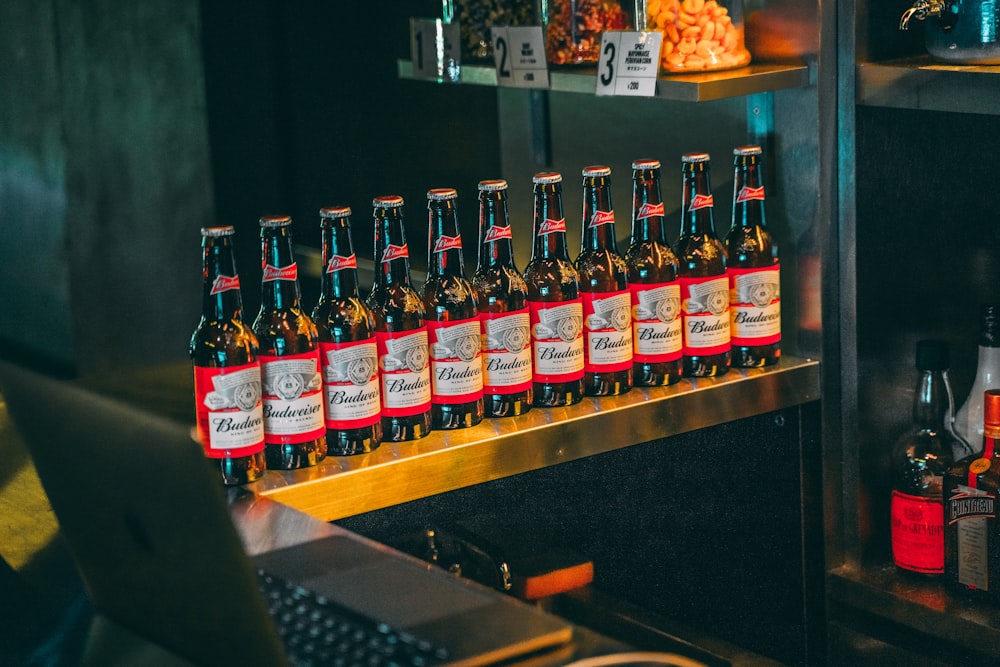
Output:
x=607 y=312
x=348 y=352
x=652 y=282
x=401 y=332
x=554 y=303
x=294 y=434
x=223 y=349
x=754 y=288
x=702 y=272
x=452 y=320
x=502 y=295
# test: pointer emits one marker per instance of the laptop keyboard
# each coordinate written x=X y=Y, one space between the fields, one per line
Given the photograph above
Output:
x=318 y=631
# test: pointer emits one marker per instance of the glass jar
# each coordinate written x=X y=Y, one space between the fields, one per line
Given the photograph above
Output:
x=573 y=28
x=476 y=17
x=699 y=35
x=964 y=32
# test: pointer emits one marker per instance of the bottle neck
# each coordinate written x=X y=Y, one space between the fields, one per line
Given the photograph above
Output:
x=444 y=250
x=598 y=215
x=340 y=267
x=748 y=193
x=391 y=251
x=549 y=244
x=933 y=404
x=647 y=207
x=495 y=245
x=280 y=280
x=697 y=219
x=221 y=296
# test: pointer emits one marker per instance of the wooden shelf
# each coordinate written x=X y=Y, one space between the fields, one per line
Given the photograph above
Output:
x=924 y=84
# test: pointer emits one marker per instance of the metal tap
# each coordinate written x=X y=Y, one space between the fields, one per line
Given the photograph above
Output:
x=920 y=10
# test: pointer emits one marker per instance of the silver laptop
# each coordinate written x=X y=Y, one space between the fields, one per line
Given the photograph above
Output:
x=154 y=541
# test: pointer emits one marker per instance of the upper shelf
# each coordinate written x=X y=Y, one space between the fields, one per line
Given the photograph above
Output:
x=925 y=84
x=750 y=80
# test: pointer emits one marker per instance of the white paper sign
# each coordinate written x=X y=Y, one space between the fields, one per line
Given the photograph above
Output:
x=629 y=63
x=519 y=56
x=434 y=50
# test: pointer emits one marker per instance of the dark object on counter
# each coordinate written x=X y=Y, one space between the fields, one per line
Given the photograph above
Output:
x=964 y=32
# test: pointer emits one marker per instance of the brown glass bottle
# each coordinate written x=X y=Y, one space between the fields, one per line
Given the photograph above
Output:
x=348 y=352
x=607 y=311
x=401 y=332
x=554 y=303
x=752 y=254
x=653 y=284
x=227 y=379
x=502 y=296
x=454 y=343
x=701 y=258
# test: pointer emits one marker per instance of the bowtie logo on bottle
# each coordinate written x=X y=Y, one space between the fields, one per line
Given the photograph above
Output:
x=548 y=226
x=225 y=283
x=448 y=243
x=339 y=263
x=602 y=218
x=395 y=252
x=290 y=272
x=747 y=194
x=649 y=210
x=496 y=233
x=701 y=201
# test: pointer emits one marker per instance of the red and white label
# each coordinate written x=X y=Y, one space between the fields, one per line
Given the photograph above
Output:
x=272 y=273
x=448 y=243
x=456 y=361
x=557 y=340
x=917 y=533
x=406 y=378
x=701 y=201
x=506 y=351
x=225 y=283
x=350 y=384
x=550 y=226
x=339 y=263
x=607 y=326
x=229 y=409
x=293 y=398
x=747 y=194
x=705 y=313
x=755 y=306
x=656 y=322
x=497 y=233
x=602 y=218
x=648 y=210
x=395 y=252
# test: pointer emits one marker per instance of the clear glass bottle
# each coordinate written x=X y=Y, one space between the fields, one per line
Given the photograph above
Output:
x=969 y=418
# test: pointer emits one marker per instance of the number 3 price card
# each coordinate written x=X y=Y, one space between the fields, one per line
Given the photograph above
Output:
x=629 y=63
x=519 y=56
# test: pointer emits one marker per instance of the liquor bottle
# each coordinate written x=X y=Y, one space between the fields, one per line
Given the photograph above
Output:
x=227 y=384
x=401 y=332
x=969 y=418
x=920 y=459
x=701 y=260
x=754 y=285
x=972 y=531
x=653 y=285
x=347 y=346
x=294 y=433
x=502 y=296
x=607 y=304
x=455 y=346
x=554 y=303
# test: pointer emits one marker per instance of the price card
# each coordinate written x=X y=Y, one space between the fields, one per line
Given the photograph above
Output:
x=519 y=56
x=629 y=63
x=434 y=50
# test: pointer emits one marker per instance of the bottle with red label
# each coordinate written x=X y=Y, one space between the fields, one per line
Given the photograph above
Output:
x=701 y=258
x=294 y=431
x=502 y=296
x=920 y=459
x=455 y=347
x=401 y=332
x=653 y=285
x=607 y=304
x=348 y=352
x=555 y=306
x=227 y=378
x=754 y=285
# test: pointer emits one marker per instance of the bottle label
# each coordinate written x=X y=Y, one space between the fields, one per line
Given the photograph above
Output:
x=229 y=409
x=557 y=340
x=339 y=263
x=701 y=201
x=601 y=218
x=755 y=306
x=496 y=233
x=747 y=194
x=395 y=252
x=456 y=361
x=293 y=398
x=448 y=243
x=350 y=384
x=225 y=283
x=550 y=226
x=406 y=379
x=506 y=351
x=917 y=533
x=705 y=313
x=272 y=273
x=972 y=511
x=607 y=324
x=648 y=210
x=656 y=322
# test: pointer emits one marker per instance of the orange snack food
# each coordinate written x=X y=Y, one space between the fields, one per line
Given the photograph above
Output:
x=698 y=35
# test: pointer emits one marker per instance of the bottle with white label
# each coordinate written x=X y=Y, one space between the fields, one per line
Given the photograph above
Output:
x=401 y=332
x=969 y=418
x=554 y=303
x=502 y=296
x=607 y=304
x=454 y=344
x=227 y=379
x=754 y=284
x=348 y=352
x=704 y=284
x=653 y=285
